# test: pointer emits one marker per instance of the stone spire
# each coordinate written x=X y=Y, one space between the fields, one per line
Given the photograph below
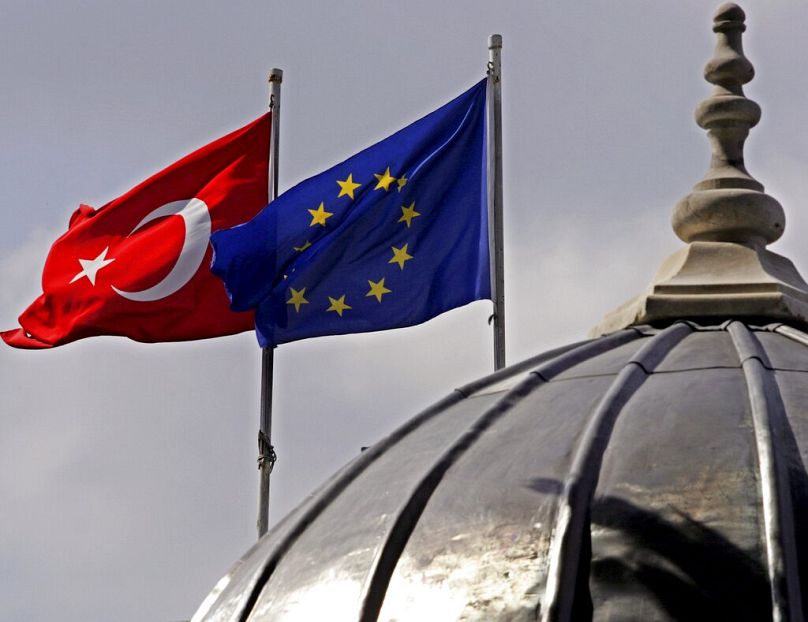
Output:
x=725 y=271
x=728 y=205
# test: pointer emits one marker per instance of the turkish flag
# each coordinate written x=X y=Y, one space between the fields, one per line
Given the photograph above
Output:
x=139 y=266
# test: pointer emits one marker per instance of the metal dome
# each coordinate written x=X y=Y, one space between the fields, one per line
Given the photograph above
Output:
x=654 y=473
x=647 y=475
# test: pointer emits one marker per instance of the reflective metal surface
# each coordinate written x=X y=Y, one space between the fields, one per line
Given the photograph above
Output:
x=649 y=475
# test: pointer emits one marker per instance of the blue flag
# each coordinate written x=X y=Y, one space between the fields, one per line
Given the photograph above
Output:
x=391 y=237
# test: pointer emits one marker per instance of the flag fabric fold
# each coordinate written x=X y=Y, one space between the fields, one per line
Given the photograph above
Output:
x=139 y=266
x=391 y=237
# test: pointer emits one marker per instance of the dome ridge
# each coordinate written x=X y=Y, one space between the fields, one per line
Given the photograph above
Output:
x=572 y=523
x=778 y=514
x=385 y=562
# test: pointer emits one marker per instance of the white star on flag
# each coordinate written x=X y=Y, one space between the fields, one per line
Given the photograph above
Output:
x=92 y=266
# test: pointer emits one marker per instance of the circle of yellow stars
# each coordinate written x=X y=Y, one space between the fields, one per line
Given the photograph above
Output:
x=319 y=217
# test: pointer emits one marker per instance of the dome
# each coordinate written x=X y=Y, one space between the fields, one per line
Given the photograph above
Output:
x=631 y=473
x=653 y=472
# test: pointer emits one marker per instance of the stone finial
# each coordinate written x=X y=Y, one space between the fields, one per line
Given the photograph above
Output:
x=728 y=204
x=725 y=270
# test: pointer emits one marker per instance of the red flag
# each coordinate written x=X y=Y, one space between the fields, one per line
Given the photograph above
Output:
x=139 y=266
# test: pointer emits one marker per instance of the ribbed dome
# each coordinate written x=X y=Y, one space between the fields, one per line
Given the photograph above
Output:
x=649 y=475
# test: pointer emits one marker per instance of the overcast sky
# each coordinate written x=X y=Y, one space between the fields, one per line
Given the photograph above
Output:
x=127 y=471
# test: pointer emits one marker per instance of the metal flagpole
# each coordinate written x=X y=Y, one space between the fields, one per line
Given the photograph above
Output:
x=495 y=195
x=266 y=452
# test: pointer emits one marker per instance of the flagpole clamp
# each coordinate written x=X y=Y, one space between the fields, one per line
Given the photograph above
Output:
x=266 y=452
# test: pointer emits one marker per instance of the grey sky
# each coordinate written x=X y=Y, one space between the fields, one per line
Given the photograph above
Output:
x=127 y=471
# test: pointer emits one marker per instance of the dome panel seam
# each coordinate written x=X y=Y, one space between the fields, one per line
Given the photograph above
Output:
x=386 y=559
x=572 y=522
x=334 y=490
x=765 y=402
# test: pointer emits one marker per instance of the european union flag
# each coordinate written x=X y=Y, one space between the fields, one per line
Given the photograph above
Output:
x=391 y=237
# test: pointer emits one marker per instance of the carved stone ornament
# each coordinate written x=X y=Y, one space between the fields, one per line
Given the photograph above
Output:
x=727 y=220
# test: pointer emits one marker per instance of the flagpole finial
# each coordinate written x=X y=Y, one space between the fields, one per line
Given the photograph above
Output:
x=728 y=204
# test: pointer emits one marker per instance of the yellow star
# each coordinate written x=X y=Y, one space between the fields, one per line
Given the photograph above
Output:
x=377 y=289
x=402 y=181
x=300 y=249
x=297 y=298
x=400 y=256
x=347 y=187
x=338 y=305
x=385 y=179
x=409 y=214
x=319 y=215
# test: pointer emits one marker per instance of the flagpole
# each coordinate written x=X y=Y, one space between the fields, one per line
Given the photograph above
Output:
x=495 y=196
x=266 y=452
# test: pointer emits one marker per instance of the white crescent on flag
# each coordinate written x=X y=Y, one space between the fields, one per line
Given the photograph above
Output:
x=195 y=215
